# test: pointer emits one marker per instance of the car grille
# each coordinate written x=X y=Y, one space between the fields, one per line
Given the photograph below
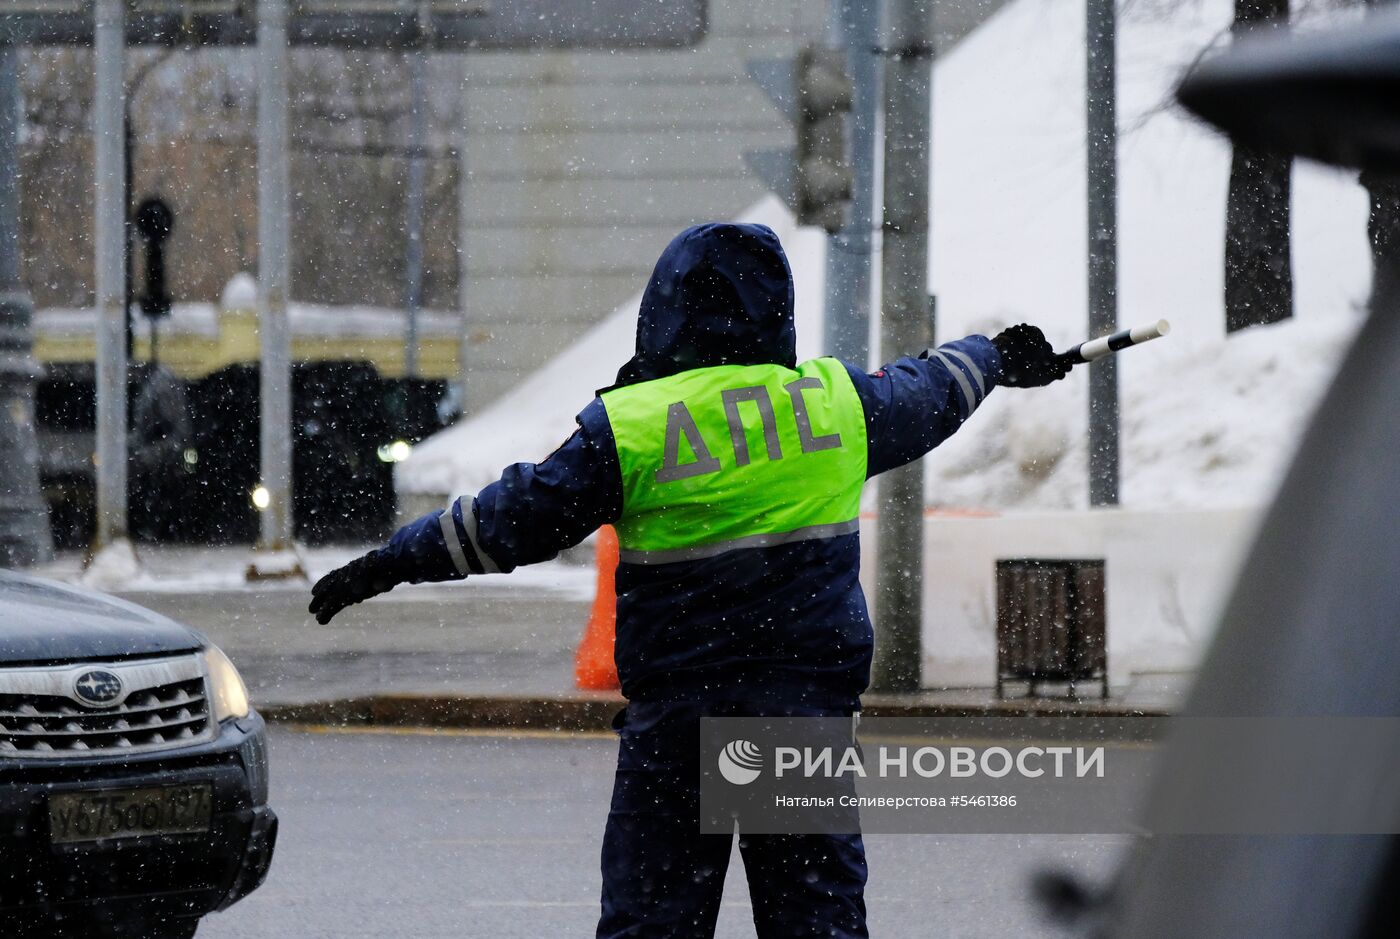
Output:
x=165 y=704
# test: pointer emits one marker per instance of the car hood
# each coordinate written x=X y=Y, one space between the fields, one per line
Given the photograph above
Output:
x=45 y=621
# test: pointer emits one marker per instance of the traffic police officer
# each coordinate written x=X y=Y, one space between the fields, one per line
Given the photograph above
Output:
x=733 y=475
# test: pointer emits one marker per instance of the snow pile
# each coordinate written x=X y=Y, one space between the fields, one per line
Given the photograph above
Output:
x=113 y=567
x=1206 y=421
x=535 y=418
x=240 y=293
x=282 y=566
x=1209 y=428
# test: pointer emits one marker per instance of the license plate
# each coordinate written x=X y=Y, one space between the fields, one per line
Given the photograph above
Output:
x=98 y=814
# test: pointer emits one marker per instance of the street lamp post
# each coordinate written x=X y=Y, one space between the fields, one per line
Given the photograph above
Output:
x=24 y=526
x=109 y=145
x=1102 y=162
x=274 y=498
x=904 y=328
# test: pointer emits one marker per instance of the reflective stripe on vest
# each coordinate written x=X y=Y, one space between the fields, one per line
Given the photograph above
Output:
x=737 y=456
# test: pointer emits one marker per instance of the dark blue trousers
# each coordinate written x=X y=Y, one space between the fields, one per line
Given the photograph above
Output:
x=662 y=878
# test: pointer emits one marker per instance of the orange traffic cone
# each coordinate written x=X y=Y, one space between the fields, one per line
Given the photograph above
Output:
x=594 y=667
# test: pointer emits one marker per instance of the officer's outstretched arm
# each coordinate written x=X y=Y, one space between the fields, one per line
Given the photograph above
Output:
x=915 y=403
x=534 y=511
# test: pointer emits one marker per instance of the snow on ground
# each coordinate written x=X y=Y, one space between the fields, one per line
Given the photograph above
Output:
x=111 y=566
x=187 y=569
x=1206 y=421
x=1208 y=428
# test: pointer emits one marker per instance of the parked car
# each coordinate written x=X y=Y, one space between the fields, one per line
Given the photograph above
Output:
x=133 y=771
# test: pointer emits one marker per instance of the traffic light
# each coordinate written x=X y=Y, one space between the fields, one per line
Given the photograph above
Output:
x=823 y=172
x=154 y=222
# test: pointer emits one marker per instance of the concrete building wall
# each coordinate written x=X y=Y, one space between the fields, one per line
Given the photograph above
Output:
x=580 y=166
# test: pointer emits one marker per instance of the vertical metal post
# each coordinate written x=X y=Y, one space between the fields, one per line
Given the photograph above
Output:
x=128 y=233
x=854 y=26
x=904 y=330
x=10 y=281
x=463 y=287
x=1102 y=161
x=274 y=276
x=109 y=145
x=24 y=523
x=413 y=222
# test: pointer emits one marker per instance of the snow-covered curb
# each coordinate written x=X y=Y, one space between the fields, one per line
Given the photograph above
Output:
x=179 y=570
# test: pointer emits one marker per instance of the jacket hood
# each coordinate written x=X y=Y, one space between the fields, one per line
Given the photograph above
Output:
x=721 y=294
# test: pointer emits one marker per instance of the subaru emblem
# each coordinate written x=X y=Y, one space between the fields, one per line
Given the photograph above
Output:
x=97 y=687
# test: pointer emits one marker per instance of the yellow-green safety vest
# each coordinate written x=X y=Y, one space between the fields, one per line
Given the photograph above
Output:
x=737 y=456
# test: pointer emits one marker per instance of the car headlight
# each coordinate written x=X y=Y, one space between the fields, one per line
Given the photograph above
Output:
x=230 y=695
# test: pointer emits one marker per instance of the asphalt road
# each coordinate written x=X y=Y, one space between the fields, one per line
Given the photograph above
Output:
x=491 y=638
x=389 y=834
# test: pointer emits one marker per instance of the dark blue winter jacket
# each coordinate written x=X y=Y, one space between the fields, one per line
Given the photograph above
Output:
x=720 y=294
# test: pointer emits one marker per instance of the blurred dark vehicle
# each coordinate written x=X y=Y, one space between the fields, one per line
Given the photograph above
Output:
x=194 y=450
x=1313 y=626
x=133 y=772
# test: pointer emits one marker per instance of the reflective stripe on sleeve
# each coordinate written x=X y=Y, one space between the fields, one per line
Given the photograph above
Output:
x=964 y=385
x=972 y=368
x=454 y=544
x=488 y=566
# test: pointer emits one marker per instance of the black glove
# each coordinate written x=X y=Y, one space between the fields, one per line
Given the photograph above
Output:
x=1027 y=361
x=356 y=582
